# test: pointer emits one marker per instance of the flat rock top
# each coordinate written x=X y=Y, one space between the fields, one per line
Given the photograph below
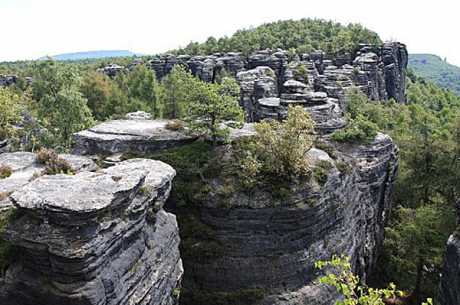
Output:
x=145 y=129
x=269 y=102
x=17 y=160
x=88 y=192
x=248 y=130
x=24 y=167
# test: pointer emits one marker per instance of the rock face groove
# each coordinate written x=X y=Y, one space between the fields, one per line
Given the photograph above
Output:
x=94 y=238
x=259 y=247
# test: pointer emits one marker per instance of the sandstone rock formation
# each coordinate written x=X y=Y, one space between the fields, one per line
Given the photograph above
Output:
x=111 y=70
x=25 y=168
x=450 y=279
x=94 y=238
x=136 y=134
x=379 y=71
x=8 y=80
x=449 y=289
x=259 y=247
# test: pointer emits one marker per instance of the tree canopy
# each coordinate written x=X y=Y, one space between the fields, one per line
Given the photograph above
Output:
x=303 y=36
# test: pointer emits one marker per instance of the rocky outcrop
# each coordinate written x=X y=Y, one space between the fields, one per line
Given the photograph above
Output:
x=25 y=168
x=111 y=70
x=94 y=238
x=449 y=289
x=450 y=279
x=379 y=71
x=8 y=80
x=136 y=134
x=260 y=246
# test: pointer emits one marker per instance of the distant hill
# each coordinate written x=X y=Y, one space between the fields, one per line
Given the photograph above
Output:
x=304 y=36
x=93 y=55
x=433 y=68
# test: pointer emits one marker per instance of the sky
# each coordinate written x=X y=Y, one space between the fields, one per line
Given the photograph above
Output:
x=35 y=28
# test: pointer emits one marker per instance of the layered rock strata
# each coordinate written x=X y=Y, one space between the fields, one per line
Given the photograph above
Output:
x=136 y=134
x=449 y=288
x=379 y=71
x=260 y=246
x=94 y=238
x=450 y=279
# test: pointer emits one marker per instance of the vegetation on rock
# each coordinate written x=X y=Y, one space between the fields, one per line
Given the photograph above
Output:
x=279 y=148
x=339 y=275
x=360 y=127
x=211 y=106
x=5 y=171
x=10 y=110
x=53 y=163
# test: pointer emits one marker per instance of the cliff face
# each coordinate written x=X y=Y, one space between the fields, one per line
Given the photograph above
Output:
x=94 y=238
x=259 y=247
x=379 y=71
x=450 y=280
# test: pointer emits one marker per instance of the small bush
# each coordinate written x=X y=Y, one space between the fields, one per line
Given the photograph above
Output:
x=343 y=167
x=5 y=171
x=279 y=148
x=301 y=73
x=175 y=125
x=329 y=149
x=53 y=163
x=358 y=130
x=321 y=171
x=361 y=126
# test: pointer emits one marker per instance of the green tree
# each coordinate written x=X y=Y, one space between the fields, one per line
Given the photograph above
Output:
x=97 y=89
x=10 y=110
x=414 y=246
x=211 y=105
x=61 y=108
x=360 y=127
x=177 y=88
x=143 y=87
x=304 y=35
x=339 y=275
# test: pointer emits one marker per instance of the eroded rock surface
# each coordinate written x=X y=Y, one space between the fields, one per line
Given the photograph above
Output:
x=8 y=80
x=94 y=238
x=379 y=71
x=136 y=135
x=450 y=280
x=25 y=168
x=260 y=246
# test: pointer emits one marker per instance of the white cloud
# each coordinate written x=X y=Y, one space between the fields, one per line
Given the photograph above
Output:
x=31 y=29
